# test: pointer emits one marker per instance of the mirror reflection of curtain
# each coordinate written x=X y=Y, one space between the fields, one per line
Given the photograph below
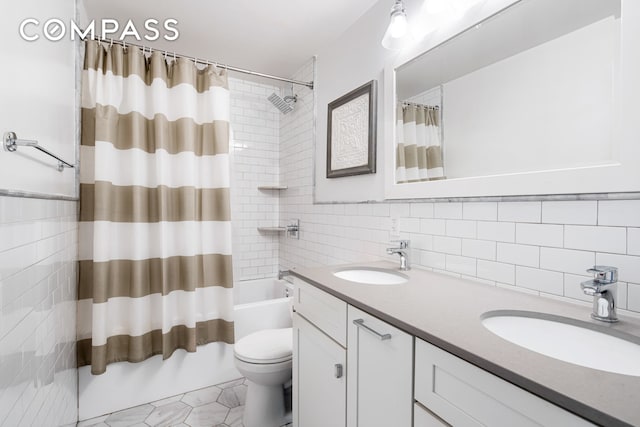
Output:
x=418 y=145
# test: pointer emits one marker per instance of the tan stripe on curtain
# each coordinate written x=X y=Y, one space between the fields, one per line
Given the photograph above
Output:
x=124 y=348
x=133 y=130
x=188 y=288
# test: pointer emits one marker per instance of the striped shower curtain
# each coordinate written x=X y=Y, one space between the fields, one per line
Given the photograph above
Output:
x=155 y=233
x=418 y=147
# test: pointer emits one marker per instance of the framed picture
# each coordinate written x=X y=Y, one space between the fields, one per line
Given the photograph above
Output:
x=351 y=133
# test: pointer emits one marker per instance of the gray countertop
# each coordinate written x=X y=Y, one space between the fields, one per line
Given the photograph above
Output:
x=446 y=311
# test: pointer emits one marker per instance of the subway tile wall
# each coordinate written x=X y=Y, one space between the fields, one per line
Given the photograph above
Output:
x=254 y=162
x=38 y=255
x=539 y=247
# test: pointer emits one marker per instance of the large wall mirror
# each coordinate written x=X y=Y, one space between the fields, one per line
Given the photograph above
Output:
x=528 y=101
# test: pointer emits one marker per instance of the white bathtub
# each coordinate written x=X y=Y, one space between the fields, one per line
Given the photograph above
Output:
x=261 y=304
x=258 y=304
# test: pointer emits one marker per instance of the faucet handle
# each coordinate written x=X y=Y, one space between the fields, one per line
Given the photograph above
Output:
x=604 y=274
x=404 y=244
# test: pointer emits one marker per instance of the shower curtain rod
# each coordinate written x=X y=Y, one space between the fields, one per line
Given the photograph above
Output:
x=204 y=61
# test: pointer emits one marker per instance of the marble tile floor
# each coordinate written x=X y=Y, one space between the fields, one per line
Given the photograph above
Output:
x=217 y=406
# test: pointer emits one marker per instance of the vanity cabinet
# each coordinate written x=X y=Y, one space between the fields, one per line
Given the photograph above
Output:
x=464 y=395
x=319 y=358
x=379 y=372
x=318 y=377
x=349 y=368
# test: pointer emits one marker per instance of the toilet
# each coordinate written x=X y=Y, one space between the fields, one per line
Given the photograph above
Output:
x=265 y=359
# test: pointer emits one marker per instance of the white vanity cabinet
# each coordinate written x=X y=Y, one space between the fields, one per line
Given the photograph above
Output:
x=348 y=369
x=319 y=386
x=319 y=358
x=464 y=395
x=351 y=369
x=379 y=372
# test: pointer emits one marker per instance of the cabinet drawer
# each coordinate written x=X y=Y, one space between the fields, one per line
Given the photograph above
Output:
x=424 y=418
x=325 y=311
x=465 y=395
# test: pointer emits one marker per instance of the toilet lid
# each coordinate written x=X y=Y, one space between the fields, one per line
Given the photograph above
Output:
x=266 y=346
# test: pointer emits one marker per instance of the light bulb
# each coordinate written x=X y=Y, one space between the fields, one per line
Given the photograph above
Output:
x=398 y=25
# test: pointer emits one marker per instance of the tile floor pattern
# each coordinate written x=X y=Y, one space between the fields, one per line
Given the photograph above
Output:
x=217 y=406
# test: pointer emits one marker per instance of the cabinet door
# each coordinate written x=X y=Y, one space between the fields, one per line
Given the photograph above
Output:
x=424 y=418
x=319 y=384
x=380 y=372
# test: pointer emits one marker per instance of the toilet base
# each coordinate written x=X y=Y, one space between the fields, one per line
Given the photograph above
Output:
x=265 y=406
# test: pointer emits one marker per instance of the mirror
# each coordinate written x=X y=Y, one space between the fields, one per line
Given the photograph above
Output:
x=527 y=94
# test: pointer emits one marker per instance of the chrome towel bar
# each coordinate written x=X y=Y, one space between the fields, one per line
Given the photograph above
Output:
x=11 y=143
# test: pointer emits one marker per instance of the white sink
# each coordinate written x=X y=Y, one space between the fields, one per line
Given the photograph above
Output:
x=567 y=340
x=371 y=276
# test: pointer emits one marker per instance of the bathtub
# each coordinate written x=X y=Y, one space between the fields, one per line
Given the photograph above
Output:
x=261 y=304
x=258 y=304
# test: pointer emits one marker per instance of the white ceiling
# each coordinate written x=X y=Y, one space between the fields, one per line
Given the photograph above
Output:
x=268 y=36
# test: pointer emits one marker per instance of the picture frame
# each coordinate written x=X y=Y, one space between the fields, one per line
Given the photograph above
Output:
x=351 y=132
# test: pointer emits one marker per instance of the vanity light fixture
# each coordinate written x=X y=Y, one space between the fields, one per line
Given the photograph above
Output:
x=398 y=30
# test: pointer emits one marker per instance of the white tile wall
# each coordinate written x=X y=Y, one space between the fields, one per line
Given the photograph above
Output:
x=550 y=282
x=38 y=256
x=570 y=212
x=633 y=241
x=623 y=213
x=254 y=158
x=520 y=211
x=482 y=249
x=518 y=254
x=537 y=247
x=480 y=211
x=539 y=234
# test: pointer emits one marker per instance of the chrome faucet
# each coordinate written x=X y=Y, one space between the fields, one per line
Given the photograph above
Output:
x=604 y=289
x=404 y=255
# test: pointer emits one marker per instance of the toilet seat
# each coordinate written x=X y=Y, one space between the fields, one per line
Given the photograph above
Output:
x=266 y=346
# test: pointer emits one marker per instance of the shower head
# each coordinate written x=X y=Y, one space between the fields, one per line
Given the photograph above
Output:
x=284 y=105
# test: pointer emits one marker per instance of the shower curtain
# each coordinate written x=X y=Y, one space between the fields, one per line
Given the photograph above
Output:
x=418 y=147
x=155 y=269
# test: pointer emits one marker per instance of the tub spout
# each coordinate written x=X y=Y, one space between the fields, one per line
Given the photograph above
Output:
x=283 y=273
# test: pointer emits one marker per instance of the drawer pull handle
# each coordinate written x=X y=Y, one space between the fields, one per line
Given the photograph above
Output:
x=338 y=370
x=360 y=323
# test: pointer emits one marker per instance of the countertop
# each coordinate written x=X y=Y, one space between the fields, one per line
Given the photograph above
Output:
x=446 y=311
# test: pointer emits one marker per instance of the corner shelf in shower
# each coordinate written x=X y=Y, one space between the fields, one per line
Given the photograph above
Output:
x=272 y=229
x=272 y=187
x=292 y=229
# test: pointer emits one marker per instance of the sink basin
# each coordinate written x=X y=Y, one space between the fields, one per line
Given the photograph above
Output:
x=568 y=340
x=371 y=276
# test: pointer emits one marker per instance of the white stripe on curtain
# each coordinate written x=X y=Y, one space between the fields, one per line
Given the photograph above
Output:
x=139 y=168
x=128 y=94
x=139 y=240
x=139 y=316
